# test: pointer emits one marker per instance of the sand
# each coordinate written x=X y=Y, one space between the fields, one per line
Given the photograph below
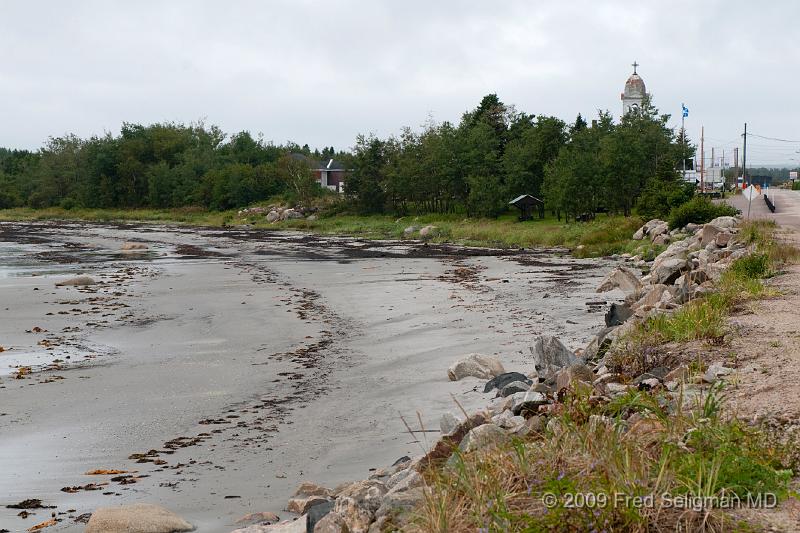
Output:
x=247 y=360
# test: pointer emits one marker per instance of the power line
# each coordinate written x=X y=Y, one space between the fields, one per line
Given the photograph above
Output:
x=773 y=138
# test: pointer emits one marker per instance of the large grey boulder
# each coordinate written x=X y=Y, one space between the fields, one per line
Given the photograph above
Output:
x=667 y=271
x=358 y=503
x=708 y=234
x=475 y=365
x=482 y=437
x=550 y=355
x=137 y=518
x=624 y=278
x=646 y=230
x=273 y=216
x=658 y=231
x=724 y=222
x=617 y=314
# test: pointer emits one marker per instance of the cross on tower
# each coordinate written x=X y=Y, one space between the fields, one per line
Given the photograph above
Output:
x=634 y=65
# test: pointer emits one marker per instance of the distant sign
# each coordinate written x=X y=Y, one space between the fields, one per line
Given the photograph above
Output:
x=750 y=192
x=792 y=174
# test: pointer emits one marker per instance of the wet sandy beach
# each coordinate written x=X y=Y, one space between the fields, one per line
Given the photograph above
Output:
x=219 y=368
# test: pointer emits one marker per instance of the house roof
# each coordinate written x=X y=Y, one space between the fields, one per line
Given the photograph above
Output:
x=525 y=199
x=316 y=164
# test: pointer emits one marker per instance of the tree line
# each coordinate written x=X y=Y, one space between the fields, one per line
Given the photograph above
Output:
x=496 y=153
x=160 y=165
x=475 y=167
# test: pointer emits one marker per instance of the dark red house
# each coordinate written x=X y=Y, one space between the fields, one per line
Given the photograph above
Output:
x=329 y=173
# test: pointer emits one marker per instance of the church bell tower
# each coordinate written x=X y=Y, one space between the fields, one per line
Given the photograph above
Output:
x=634 y=92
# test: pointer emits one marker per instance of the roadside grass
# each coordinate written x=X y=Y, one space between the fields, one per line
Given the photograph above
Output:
x=606 y=235
x=637 y=463
x=705 y=318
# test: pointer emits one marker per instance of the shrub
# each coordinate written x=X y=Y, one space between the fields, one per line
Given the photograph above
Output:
x=68 y=203
x=699 y=210
x=753 y=266
x=796 y=186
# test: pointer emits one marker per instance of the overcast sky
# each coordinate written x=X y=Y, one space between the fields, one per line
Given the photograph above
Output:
x=322 y=72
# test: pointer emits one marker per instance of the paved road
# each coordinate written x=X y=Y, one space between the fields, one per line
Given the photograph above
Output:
x=787 y=207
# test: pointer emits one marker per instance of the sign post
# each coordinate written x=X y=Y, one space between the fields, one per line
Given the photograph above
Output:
x=749 y=193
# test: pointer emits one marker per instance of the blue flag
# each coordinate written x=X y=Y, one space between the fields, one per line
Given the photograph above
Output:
x=685 y=111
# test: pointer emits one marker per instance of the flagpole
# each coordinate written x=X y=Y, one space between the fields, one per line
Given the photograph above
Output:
x=683 y=134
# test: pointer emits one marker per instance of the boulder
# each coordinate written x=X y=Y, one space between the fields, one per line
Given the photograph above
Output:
x=410 y=230
x=273 y=216
x=599 y=344
x=331 y=523
x=137 y=518
x=658 y=231
x=708 y=235
x=80 y=281
x=571 y=374
x=133 y=246
x=306 y=496
x=716 y=371
x=522 y=402
x=397 y=502
x=667 y=271
x=358 y=503
x=651 y=297
x=258 y=518
x=648 y=228
x=317 y=513
x=691 y=228
x=475 y=365
x=311 y=218
x=428 y=232
x=514 y=387
x=723 y=239
x=550 y=355
x=290 y=214
x=448 y=423
x=617 y=314
x=662 y=239
x=508 y=420
x=724 y=222
x=500 y=381
x=623 y=278
x=482 y=437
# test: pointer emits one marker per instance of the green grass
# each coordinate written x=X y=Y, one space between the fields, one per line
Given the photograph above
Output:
x=639 y=445
x=186 y=215
x=604 y=236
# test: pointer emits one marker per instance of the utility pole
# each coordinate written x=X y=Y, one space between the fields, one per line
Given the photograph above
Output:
x=744 y=171
x=736 y=166
x=744 y=158
x=722 y=173
x=702 y=159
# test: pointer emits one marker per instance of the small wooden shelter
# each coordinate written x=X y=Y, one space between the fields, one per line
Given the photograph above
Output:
x=526 y=203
